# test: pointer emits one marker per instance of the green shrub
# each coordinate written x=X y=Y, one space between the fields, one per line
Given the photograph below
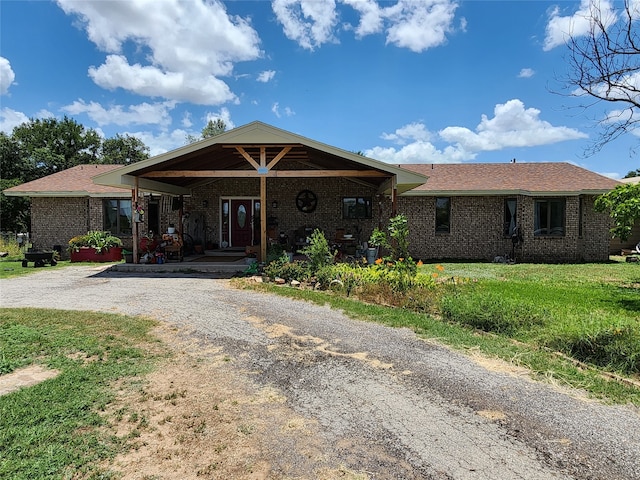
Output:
x=283 y=268
x=616 y=347
x=318 y=251
x=491 y=312
x=97 y=239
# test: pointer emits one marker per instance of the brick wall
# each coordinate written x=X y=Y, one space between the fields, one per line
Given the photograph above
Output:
x=55 y=220
x=477 y=231
x=327 y=216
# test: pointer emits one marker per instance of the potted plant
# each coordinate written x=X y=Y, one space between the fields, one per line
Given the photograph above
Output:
x=377 y=239
x=95 y=246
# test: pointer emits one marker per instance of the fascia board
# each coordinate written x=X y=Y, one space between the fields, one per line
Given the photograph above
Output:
x=486 y=193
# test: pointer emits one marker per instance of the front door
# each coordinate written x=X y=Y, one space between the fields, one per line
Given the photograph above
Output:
x=241 y=222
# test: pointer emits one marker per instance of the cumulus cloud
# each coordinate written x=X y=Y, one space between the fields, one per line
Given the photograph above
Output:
x=416 y=25
x=310 y=23
x=187 y=46
x=142 y=114
x=560 y=28
x=223 y=115
x=512 y=126
x=526 y=73
x=7 y=76
x=9 y=119
x=266 y=76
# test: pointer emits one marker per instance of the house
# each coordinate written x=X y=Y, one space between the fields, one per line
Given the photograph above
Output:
x=258 y=184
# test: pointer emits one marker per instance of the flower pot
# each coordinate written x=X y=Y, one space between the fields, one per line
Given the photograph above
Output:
x=372 y=253
x=89 y=254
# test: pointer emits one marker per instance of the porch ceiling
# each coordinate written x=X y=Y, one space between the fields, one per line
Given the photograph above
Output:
x=226 y=160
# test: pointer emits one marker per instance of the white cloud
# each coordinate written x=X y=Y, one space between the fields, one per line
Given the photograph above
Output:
x=561 y=28
x=7 y=76
x=9 y=119
x=511 y=126
x=275 y=108
x=223 y=115
x=413 y=131
x=526 y=73
x=186 y=120
x=163 y=141
x=142 y=114
x=188 y=46
x=371 y=17
x=416 y=25
x=308 y=22
x=266 y=76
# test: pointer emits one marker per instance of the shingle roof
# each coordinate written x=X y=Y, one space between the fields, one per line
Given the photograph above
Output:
x=509 y=178
x=72 y=182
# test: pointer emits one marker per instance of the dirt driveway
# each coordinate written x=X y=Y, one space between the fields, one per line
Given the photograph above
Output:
x=266 y=387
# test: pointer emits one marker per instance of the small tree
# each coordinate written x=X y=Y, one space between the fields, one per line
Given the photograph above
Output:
x=623 y=204
x=399 y=233
x=318 y=251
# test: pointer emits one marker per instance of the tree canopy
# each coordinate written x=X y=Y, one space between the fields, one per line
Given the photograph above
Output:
x=623 y=204
x=40 y=147
x=211 y=129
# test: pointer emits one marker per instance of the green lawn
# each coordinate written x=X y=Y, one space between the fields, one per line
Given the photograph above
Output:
x=52 y=430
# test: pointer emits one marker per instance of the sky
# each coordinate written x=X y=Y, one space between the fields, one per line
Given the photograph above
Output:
x=402 y=81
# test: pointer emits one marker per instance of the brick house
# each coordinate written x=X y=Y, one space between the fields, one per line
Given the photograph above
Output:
x=257 y=184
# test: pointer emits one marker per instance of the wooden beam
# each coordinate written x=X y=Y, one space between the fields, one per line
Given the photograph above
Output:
x=278 y=157
x=248 y=157
x=263 y=157
x=255 y=174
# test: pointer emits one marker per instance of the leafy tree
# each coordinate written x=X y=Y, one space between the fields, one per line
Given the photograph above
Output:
x=211 y=129
x=123 y=150
x=604 y=67
x=50 y=145
x=633 y=173
x=623 y=204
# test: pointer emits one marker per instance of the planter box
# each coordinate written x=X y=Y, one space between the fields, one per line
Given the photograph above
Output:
x=88 y=254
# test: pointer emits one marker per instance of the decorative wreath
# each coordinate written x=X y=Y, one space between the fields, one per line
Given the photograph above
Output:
x=306 y=201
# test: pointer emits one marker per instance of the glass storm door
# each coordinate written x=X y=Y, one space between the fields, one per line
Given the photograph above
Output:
x=241 y=222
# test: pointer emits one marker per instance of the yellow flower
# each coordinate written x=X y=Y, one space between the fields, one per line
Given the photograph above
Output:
x=419 y=264
x=440 y=268
x=378 y=261
x=434 y=275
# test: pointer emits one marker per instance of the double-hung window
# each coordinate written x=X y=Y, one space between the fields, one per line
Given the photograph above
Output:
x=117 y=216
x=355 y=208
x=549 y=217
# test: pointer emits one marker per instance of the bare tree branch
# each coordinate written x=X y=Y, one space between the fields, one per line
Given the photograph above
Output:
x=604 y=65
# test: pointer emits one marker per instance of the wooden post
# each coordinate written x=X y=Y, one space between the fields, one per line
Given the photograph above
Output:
x=394 y=196
x=263 y=218
x=134 y=230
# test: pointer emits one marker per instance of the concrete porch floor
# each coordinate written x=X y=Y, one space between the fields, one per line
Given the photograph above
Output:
x=191 y=264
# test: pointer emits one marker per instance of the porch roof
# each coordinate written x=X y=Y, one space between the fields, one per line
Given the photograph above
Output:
x=252 y=151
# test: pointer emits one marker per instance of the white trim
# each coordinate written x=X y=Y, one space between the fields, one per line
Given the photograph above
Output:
x=253 y=199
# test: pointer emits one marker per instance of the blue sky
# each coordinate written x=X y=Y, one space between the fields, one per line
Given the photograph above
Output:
x=429 y=81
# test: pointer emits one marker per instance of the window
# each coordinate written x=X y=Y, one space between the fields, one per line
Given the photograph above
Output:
x=580 y=216
x=443 y=215
x=510 y=209
x=117 y=216
x=356 y=207
x=549 y=217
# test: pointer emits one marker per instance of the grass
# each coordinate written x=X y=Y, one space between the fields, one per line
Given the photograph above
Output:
x=52 y=430
x=576 y=325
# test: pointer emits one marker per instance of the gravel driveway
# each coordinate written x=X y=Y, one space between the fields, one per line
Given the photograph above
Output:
x=386 y=402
